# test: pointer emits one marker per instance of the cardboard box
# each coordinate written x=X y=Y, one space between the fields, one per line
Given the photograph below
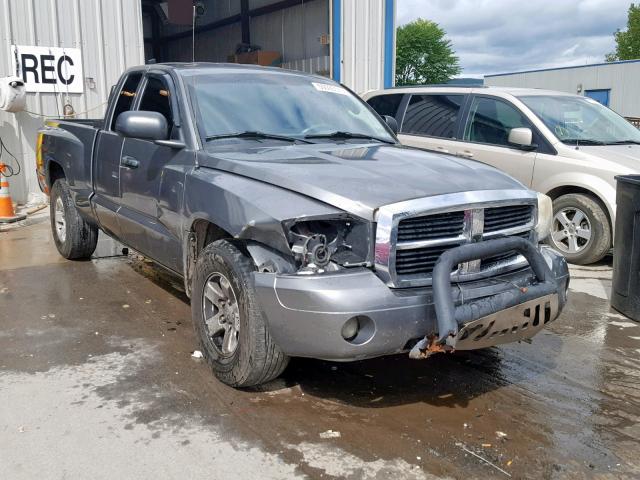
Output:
x=261 y=57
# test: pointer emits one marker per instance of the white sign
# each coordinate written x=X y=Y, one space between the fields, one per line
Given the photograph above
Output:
x=48 y=69
x=328 y=87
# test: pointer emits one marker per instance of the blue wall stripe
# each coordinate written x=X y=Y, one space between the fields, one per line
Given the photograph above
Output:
x=336 y=40
x=389 y=53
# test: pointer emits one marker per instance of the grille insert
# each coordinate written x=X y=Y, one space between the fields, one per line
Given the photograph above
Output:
x=502 y=218
x=419 y=260
x=432 y=227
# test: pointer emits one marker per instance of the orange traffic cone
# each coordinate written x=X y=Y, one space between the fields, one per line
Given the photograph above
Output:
x=7 y=214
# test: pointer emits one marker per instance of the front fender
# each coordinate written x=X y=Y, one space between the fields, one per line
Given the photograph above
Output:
x=246 y=208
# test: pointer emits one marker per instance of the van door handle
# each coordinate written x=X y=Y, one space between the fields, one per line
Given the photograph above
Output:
x=442 y=149
x=130 y=162
x=466 y=154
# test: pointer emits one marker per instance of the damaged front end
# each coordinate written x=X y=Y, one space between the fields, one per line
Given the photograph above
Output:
x=329 y=244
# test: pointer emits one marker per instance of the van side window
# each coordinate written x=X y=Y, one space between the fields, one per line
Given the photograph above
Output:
x=156 y=98
x=126 y=96
x=386 y=104
x=433 y=115
x=491 y=120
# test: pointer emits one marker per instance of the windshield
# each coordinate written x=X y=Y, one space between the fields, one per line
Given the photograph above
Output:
x=576 y=120
x=280 y=104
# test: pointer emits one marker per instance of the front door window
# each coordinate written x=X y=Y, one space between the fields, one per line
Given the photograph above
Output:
x=491 y=120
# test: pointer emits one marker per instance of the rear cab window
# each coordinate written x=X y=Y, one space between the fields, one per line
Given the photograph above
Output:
x=435 y=115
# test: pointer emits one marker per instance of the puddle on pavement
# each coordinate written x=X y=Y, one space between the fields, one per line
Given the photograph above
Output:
x=108 y=247
x=569 y=403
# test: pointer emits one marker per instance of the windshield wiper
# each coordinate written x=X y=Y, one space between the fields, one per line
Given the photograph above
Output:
x=347 y=135
x=624 y=142
x=582 y=141
x=258 y=135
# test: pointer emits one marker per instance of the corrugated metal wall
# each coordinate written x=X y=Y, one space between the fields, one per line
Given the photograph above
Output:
x=109 y=33
x=620 y=78
x=363 y=43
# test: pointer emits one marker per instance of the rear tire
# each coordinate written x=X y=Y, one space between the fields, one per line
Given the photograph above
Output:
x=233 y=333
x=581 y=229
x=75 y=238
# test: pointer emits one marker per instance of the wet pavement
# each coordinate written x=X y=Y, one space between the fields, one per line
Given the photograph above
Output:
x=97 y=381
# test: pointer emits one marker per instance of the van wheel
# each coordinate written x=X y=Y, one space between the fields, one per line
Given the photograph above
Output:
x=75 y=238
x=581 y=230
x=233 y=334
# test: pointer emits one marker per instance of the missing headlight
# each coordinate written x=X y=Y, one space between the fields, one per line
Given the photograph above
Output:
x=327 y=244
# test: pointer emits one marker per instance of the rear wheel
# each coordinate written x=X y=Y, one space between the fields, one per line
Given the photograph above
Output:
x=581 y=230
x=75 y=238
x=233 y=334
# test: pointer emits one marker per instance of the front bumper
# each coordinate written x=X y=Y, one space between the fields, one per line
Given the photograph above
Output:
x=306 y=314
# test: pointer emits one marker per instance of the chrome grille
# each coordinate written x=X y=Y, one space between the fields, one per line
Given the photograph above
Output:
x=410 y=241
x=417 y=253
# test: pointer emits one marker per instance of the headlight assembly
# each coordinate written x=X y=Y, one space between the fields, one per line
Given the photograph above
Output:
x=329 y=243
x=545 y=216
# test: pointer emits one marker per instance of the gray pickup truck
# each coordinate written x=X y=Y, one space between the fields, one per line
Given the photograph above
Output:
x=301 y=227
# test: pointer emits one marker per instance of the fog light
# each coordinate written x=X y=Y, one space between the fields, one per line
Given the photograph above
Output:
x=350 y=329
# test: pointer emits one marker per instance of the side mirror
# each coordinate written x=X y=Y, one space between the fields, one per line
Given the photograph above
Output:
x=522 y=138
x=393 y=124
x=143 y=125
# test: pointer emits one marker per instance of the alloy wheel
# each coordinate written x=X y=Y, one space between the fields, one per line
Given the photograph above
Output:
x=571 y=230
x=221 y=314
x=60 y=221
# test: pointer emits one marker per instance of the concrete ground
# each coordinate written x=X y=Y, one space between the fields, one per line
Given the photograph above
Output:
x=97 y=381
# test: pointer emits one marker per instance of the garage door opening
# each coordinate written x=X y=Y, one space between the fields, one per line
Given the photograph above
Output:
x=351 y=41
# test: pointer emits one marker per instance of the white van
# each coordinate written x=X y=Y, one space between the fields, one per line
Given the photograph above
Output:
x=566 y=146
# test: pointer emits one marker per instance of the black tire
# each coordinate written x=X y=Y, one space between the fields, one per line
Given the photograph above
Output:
x=600 y=240
x=80 y=237
x=256 y=359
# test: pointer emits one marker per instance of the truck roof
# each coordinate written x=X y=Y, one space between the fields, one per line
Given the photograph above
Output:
x=185 y=67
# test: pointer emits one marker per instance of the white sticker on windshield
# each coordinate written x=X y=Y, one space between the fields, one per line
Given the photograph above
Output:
x=327 y=87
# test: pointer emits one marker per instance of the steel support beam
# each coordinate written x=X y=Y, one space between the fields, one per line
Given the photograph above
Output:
x=245 y=20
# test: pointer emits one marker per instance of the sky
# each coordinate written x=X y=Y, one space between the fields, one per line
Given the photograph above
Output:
x=498 y=36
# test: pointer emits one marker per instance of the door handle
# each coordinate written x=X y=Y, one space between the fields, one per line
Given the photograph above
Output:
x=130 y=162
x=442 y=150
x=466 y=154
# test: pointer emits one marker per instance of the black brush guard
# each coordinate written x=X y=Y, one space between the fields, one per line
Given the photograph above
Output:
x=449 y=317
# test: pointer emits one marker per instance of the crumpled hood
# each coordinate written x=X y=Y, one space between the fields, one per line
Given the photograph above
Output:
x=625 y=156
x=358 y=178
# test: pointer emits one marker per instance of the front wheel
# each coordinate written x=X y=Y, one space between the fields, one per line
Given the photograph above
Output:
x=581 y=230
x=75 y=238
x=233 y=334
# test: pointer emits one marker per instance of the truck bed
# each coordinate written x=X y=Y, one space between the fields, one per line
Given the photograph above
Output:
x=91 y=122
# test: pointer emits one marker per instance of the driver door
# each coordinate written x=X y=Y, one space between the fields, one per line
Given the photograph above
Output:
x=151 y=181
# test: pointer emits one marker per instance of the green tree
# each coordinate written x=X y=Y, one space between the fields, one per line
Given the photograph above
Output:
x=628 y=41
x=424 y=55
